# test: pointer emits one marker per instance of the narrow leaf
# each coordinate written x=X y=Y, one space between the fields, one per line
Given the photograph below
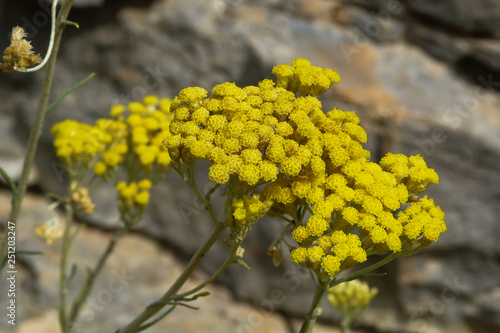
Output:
x=9 y=180
x=30 y=252
x=74 y=24
x=67 y=92
x=242 y=263
x=147 y=325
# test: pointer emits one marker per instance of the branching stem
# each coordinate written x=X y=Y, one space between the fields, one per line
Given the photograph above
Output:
x=37 y=127
x=156 y=307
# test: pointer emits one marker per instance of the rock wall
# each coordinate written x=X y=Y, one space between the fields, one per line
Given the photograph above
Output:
x=424 y=77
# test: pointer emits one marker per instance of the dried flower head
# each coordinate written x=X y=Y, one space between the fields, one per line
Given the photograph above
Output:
x=81 y=199
x=19 y=54
x=51 y=230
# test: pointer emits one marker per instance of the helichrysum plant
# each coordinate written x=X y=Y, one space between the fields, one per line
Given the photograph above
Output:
x=277 y=153
x=309 y=161
x=273 y=148
x=351 y=299
x=313 y=171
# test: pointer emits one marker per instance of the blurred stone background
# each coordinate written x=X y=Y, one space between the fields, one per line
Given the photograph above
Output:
x=424 y=77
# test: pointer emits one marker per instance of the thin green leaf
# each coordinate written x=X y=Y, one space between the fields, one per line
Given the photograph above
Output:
x=242 y=263
x=187 y=306
x=190 y=299
x=30 y=252
x=67 y=92
x=148 y=325
x=356 y=277
x=9 y=180
x=372 y=275
x=74 y=24
x=203 y=294
x=77 y=231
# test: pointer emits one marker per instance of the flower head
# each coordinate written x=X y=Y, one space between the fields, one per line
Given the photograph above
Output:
x=81 y=198
x=19 y=54
x=307 y=160
x=51 y=230
x=130 y=140
x=351 y=298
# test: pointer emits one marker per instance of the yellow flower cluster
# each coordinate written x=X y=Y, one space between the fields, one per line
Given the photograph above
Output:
x=248 y=131
x=142 y=133
x=130 y=141
x=19 y=54
x=77 y=143
x=303 y=78
x=351 y=297
x=411 y=170
x=109 y=140
x=360 y=195
x=134 y=194
x=310 y=160
x=330 y=252
x=249 y=209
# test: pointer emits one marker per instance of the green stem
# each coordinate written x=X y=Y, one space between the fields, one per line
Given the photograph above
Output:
x=63 y=277
x=226 y=264
x=206 y=202
x=345 y=324
x=212 y=190
x=37 y=127
x=315 y=310
x=155 y=307
x=87 y=287
x=148 y=325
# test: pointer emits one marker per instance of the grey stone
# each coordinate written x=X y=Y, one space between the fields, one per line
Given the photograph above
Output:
x=449 y=30
x=407 y=99
x=438 y=43
x=381 y=26
x=487 y=52
x=137 y=273
x=458 y=296
x=12 y=152
x=487 y=306
x=478 y=17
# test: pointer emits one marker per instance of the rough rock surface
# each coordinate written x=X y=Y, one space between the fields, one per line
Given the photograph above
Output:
x=422 y=75
x=128 y=283
x=463 y=33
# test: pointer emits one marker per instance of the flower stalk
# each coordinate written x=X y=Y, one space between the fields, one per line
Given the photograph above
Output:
x=34 y=137
x=51 y=42
x=63 y=277
x=167 y=298
x=66 y=320
x=92 y=275
x=345 y=324
x=315 y=310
